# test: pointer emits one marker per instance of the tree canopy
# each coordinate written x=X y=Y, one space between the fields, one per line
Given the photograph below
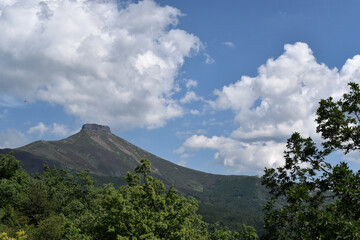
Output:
x=59 y=205
x=311 y=198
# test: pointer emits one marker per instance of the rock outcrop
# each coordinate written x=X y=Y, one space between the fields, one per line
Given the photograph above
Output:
x=95 y=128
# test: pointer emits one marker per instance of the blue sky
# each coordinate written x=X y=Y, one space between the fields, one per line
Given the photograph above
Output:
x=217 y=86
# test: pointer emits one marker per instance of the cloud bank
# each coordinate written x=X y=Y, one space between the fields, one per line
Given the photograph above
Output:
x=103 y=62
x=267 y=108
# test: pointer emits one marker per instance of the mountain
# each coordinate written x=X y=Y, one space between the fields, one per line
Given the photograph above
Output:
x=232 y=200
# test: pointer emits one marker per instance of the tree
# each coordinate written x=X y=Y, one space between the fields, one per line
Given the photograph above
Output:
x=50 y=228
x=311 y=199
x=8 y=165
x=144 y=209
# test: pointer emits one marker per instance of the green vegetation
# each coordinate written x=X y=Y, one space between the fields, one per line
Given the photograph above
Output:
x=230 y=200
x=234 y=200
x=311 y=198
x=59 y=205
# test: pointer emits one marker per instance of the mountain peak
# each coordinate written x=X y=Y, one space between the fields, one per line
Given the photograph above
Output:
x=95 y=128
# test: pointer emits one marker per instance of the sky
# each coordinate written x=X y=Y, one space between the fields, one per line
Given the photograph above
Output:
x=217 y=86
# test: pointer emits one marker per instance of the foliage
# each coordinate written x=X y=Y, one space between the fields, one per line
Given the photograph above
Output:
x=145 y=210
x=234 y=200
x=50 y=228
x=21 y=235
x=311 y=198
x=8 y=166
x=59 y=205
x=223 y=233
x=230 y=217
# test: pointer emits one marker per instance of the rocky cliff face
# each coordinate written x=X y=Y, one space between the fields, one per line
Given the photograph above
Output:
x=95 y=128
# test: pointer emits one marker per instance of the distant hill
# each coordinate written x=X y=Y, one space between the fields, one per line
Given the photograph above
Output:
x=231 y=200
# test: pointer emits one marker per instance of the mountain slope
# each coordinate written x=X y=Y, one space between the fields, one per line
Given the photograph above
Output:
x=95 y=148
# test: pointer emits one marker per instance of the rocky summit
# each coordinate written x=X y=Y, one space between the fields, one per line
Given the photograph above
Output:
x=95 y=128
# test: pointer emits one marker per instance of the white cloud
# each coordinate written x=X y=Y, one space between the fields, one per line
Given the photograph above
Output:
x=55 y=129
x=351 y=156
x=195 y=112
x=60 y=130
x=40 y=129
x=12 y=138
x=236 y=155
x=102 y=64
x=190 y=96
x=208 y=59
x=229 y=44
x=191 y=83
x=281 y=99
x=284 y=96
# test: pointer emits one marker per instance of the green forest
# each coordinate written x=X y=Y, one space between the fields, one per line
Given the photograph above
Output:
x=310 y=197
x=59 y=205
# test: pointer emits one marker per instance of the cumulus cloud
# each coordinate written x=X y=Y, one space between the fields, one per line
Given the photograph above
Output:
x=39 y=129
x=235 y=154
x=267 y=108
x=102 y=61
x=190 y=97
x=55 y=129
x=12 y=138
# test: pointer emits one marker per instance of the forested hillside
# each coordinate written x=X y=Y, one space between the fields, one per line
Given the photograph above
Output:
x=230 y=200
x=58 y=205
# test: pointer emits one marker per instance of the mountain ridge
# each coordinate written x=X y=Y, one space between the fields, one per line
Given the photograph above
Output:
x=104 y=154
